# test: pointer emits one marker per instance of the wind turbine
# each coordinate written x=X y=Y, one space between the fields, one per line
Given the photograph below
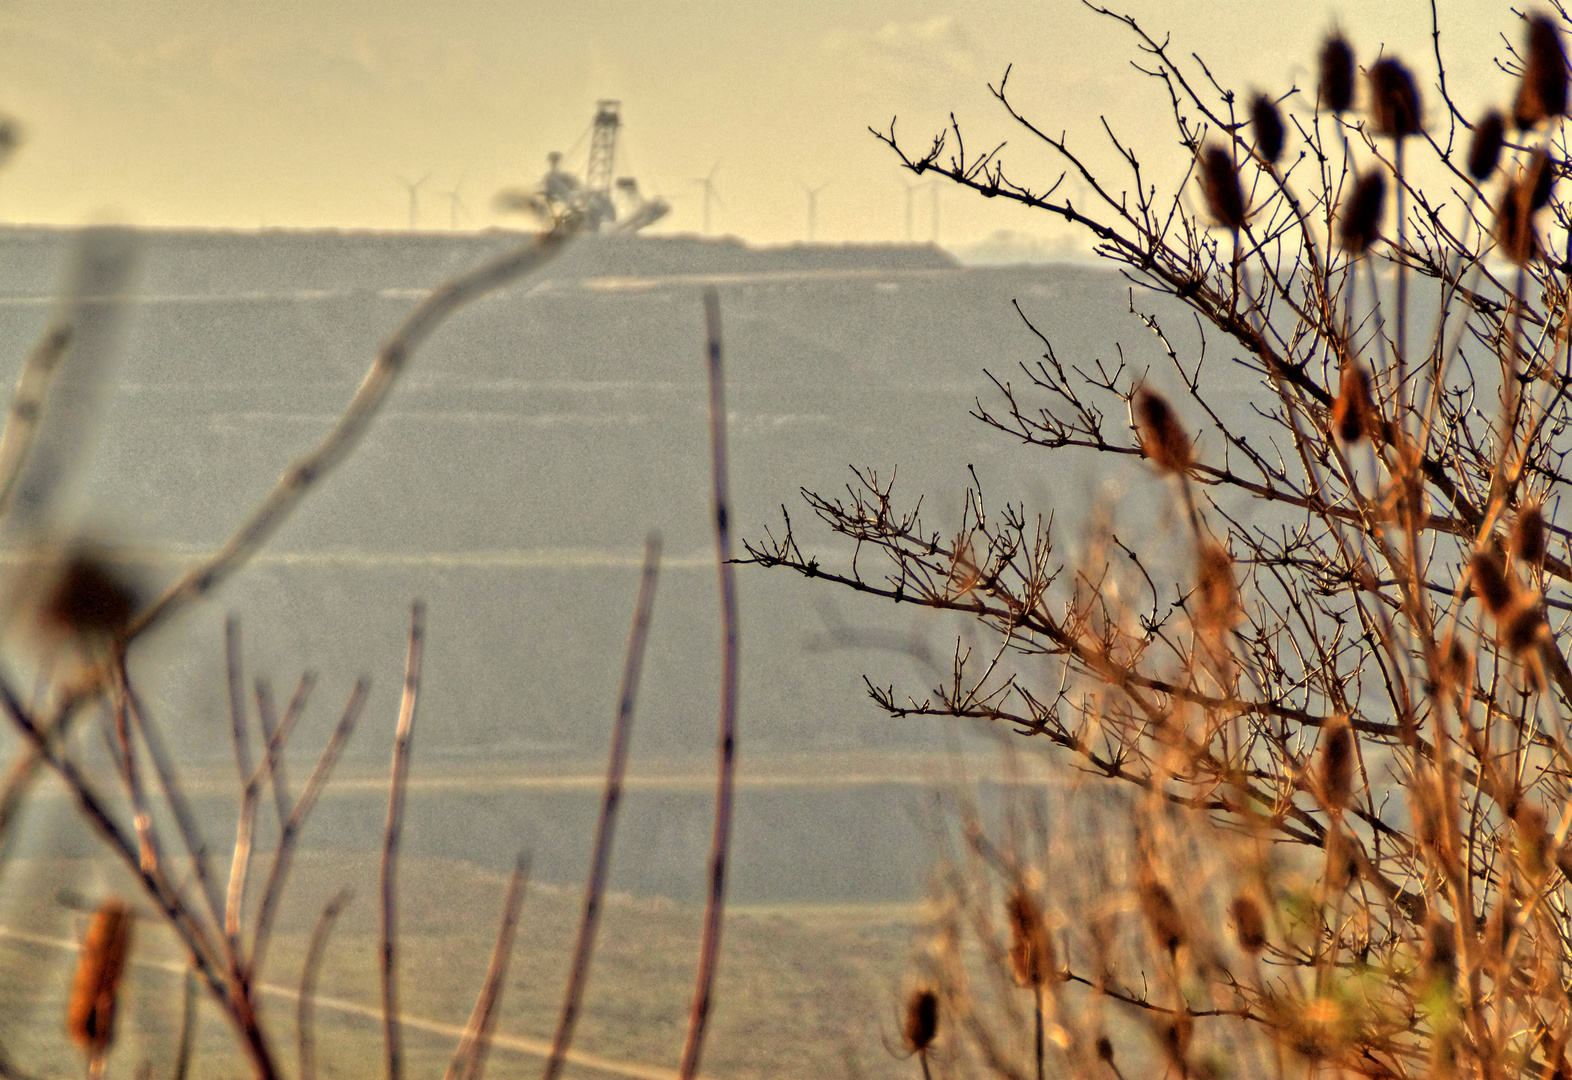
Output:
x=708 y=184
x=912 y=188
x=455 y=203
x=414 y=197
x=813 y=206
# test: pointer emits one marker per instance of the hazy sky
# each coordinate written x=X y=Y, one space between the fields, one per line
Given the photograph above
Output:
x=307 y=112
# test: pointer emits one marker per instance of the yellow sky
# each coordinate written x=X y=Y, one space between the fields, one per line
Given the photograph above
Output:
x=307 y=112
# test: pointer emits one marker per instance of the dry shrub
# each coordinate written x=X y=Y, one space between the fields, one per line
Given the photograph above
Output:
x=1350 y=852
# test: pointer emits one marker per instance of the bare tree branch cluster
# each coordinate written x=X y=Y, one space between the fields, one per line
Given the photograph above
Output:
x=1339 y=716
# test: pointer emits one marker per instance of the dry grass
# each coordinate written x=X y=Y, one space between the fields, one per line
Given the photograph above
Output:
x=800 y=993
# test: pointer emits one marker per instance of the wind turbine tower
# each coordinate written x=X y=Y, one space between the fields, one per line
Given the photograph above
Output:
x=708 y=184
x=910 y=190
x=455 y=203
x=813 y=207
x=414 y=198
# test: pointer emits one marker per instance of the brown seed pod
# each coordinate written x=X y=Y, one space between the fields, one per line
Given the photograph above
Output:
x=1490 y=583
x=1174 y=1031
x=1342 y=863
x=1249 y=924
x=1564 y=861
x=1359 y=218
x=1220 y=185
x=1337 y=74
x=90 y=1014
x=1499 y=927
x=1353 y=410
x=1539 y=175
x=1533 y=839
x=88 y=598
x=1031 y=949
x=1514 y=232
x=1394 y=101
x=1162 y=914
x=1162 y=439
x=1543 y=91
x=1484 y=151
x=1528 y=535
x=1440 y=951
x=1216 y=594
x=1523 y=623
x=1457 y=664
x=1337 y=765
x=922 y=1019
x=1268 y=124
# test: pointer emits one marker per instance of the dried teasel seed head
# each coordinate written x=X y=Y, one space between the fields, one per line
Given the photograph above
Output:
x=1337 y=74
x=1342 y=864
x=1220 y=184
x=1499 y=927
x=1564 y=861
x=1523 y=624
x=1217 y=594
x=922 y=1019
x=1457 y=664
x=1533 y=839
x=1488 y=578
x=1528 y=535
x=1249 y=924
x=1539 y=176
x=1443 y=1055
x=1268 y=125
x=1394 y=100
x=1031 y=949
x=1162 y=914
x=1543 y=91
x=1359 y=218
x=90 y=1014
x=1440 y=952
x=1337 y=765
x=1174 y=1031
x=1484 y=151
x=1515 y=234
x=1163 y=440
x=87 y=598
x=1353 y=410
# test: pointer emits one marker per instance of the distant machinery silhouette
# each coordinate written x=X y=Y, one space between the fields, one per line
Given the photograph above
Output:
x=602 y=205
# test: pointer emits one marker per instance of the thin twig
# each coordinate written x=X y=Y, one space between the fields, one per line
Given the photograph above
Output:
x=611 y=801
x=275 y=734
x=239 y=866
x=132 y=773
x=397 y=781
x=241 y=860
x=308 y=982
x=273 y=890
x=469 y=1060
x=179 y=806
x=726 y=751
x=188 y=1024
x=27 y=407
x=49 y=430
